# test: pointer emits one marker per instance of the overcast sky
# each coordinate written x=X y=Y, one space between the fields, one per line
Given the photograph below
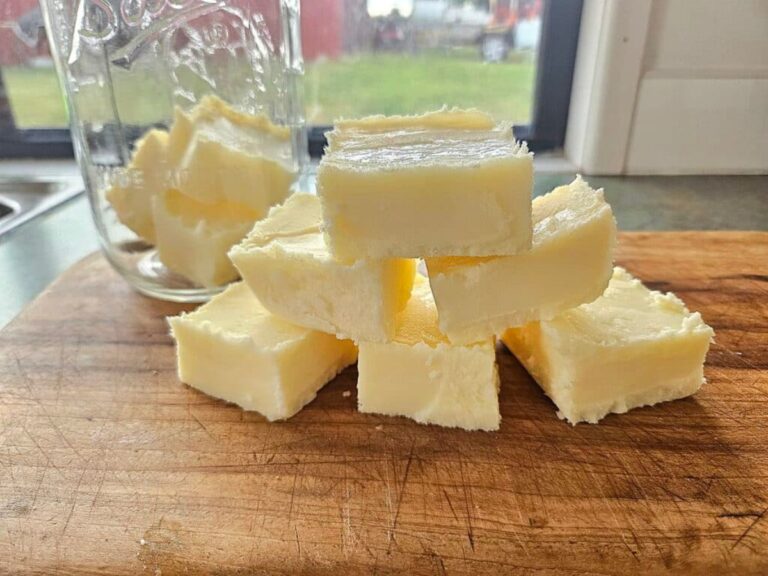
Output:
x=384 y=7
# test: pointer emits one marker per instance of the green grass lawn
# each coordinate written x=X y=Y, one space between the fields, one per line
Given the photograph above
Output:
x=392 y=83
x=35 y=97
x=350 y=86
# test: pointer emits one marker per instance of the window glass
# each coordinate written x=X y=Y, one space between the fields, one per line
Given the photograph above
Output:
x=407 y=56
x=28 y=73
x=362 y=57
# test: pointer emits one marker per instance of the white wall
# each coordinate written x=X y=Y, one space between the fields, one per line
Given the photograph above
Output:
x=671 y=87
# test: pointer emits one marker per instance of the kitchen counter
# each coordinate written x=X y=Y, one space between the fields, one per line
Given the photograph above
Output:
x=34 y=254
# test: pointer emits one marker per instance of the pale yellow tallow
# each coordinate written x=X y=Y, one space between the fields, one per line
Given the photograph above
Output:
x=196 y=190
x=222 y=155
x=631 y=347
x=286 y=263
x=193 y=238
x=449 y=183
x=146 y=175
x=234 y=349
x=421 y=375
x=570 y=263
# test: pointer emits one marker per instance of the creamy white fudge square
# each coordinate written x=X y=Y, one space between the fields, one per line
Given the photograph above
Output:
x=447 y=183
x=421 y=375
x=234 y=349
x=286 y=263
x=570 y=263
x=631 y=347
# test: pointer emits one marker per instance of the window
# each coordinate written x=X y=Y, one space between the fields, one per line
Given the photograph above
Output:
x=33 y=119
x=512 y=58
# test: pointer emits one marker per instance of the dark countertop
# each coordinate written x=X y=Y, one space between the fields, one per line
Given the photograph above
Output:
x=679 y=202
x=34 y=254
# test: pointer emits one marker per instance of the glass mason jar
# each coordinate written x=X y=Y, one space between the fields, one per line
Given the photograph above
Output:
x=187 y=124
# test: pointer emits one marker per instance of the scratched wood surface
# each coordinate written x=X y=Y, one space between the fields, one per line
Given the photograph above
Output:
x=109 y=465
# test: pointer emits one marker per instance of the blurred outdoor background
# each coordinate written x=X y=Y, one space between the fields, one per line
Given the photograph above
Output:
x=361 y=57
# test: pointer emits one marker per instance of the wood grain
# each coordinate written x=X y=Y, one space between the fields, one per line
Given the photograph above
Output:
x=109 y=465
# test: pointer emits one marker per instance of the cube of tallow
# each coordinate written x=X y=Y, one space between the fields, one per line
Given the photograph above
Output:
x=145 y=176
x=218 y=154
x=447 y=183
x=197 y=190
x=286 y=263
x=631 y=347
x=212 y=154
x=570 y=263
x=193 y=238
x=419 y=374
x=232 y=348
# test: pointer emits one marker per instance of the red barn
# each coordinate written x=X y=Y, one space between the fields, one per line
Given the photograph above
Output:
x=22 y=36
x=321 y=28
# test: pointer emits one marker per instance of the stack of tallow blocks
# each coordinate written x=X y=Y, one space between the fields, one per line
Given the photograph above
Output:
x=195 y=190
x=329 y=277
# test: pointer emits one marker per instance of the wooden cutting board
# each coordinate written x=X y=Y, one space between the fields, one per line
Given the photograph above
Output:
x=109 y=465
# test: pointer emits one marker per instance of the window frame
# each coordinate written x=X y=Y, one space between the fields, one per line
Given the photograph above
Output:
x=561 y=24
x=561 y=21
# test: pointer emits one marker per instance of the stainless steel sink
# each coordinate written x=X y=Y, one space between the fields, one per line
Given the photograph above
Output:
x=21 y=199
